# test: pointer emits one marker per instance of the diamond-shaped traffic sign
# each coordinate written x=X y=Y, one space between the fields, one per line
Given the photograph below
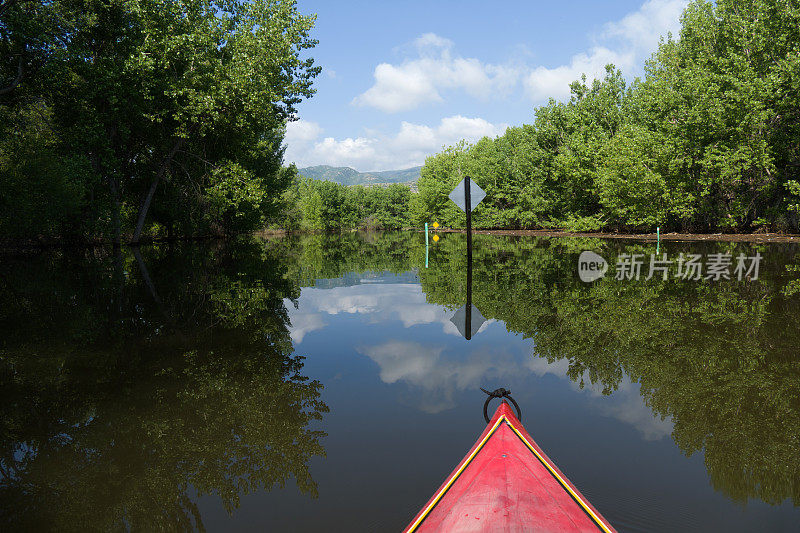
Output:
x=476 y=195
x=476 y=320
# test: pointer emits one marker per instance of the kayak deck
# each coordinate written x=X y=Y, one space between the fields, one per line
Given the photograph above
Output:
x=507 y=483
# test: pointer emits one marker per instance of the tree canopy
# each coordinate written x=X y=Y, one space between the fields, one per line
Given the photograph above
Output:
x=126 y=117
x=706 y=141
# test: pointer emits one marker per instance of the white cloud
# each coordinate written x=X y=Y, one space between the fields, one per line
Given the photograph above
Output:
x=627 y=405
x=642 y=29
x=433 y=373
x=377 y=303
x=626 y=43
x=543 y=83
x=300 y=131
x=407 y=148
x=346 y=152
x=436 y=68
x=436 y=376
x=399 y=88
x=433 y=68
x=541 y=367
x=455 y=128
x=430 y=41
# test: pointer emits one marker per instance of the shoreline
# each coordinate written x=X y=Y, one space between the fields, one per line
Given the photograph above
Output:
x=757 y=238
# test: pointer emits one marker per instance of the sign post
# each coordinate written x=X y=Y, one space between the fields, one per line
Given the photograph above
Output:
x=463 y=196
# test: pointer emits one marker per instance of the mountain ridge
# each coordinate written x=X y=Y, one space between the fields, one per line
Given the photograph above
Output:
x=350 y=176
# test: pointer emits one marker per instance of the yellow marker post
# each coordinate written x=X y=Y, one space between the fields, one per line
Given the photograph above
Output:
x=435 y=225
x=435 y=238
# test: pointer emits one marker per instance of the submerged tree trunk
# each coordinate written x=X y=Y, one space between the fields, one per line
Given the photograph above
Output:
x=137 y=234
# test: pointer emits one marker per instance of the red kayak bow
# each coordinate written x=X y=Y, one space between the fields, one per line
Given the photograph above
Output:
x=507 y=483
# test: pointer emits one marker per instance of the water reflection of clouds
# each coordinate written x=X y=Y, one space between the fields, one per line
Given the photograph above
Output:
x=625 y=404
x=303 y=324
x=434 y=376
x=378 y=303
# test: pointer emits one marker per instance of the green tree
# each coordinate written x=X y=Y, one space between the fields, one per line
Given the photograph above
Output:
x=172 y=106
x=705 y=142
x=637 y=184
x=541 y=175
x=312 y=209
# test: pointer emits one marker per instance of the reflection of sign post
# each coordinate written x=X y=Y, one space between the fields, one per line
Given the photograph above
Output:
x=467 y=195
x=468 y=320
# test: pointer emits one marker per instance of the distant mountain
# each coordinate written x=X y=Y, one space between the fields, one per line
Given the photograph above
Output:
x=350 y=176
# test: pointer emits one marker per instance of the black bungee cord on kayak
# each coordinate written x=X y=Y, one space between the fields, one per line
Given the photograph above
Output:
x=499 y=393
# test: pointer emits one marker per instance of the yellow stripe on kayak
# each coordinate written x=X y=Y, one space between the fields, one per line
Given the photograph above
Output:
x=561 y=480
x=455 y=475
x=552 y=471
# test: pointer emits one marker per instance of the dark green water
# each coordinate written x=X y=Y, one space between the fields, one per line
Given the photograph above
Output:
x=318 y=383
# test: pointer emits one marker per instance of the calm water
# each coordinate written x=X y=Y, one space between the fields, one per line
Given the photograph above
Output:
x=319 y=384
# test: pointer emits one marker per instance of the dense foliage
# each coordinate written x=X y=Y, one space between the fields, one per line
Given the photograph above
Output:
x=128 y=119
x=707 y=141
x=311 y=204
x=120 y=118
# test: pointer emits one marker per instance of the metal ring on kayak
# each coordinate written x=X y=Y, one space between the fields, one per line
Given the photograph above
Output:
x=499 y=393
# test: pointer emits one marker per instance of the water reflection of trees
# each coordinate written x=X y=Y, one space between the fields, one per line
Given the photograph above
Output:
x=721 y=359
x=131 y=383
x=123 y=394
x=325 y=256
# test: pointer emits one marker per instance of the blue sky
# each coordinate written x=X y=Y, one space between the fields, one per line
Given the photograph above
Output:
x=401 y=80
